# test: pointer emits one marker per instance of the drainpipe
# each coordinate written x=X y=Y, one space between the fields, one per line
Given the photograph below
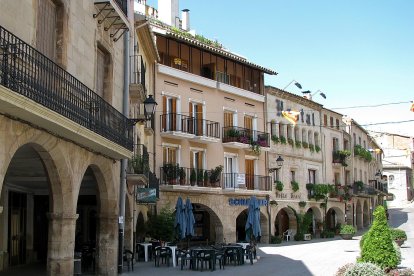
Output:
x=122 y=186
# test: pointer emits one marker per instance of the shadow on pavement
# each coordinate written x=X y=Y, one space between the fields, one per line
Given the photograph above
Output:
x=397 y=217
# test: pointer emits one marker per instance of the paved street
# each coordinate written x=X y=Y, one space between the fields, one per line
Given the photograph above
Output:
x=317 y=257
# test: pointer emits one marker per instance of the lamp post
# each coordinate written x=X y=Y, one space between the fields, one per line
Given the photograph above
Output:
x=279 y=164
x=149 y=110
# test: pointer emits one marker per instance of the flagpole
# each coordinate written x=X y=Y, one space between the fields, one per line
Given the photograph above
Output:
x=288 y=84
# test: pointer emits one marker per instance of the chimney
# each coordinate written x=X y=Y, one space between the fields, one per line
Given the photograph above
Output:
x=185 y=16
x=168 y=12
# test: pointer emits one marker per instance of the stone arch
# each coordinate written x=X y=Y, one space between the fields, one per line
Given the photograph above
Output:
x=211 y=222
x=241 y=220
x=365 y=214
x=285 y=219
x=334 y=216
x=358 y=214
x=317 y=219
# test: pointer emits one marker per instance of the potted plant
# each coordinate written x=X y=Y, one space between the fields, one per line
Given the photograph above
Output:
x=200 y=178
x=305 y=145
x=398 y=235
x=215 y=175
x=279 y=185
x=290 y=141
x=298 y=144
x=347 y=232
x=317 y=148
x=275 y=139
x=295 y=186
x=182 y=175
x=193 y=177
x=232 y=135
x=171 y=172
x=283 y=140
x=205 y=178
x=359 y=185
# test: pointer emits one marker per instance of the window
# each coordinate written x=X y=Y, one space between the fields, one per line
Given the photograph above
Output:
x=169 y=111
x=331 y=122
x=302 y=114
x=325 y=120
x=347 y=177
x=335 y=144
x=337 y=178
x=197 y=159
x=279 y=107
x=170 y=154
x=359 y=140
x=195 y=125
x=354 y=138
x=229 y=119
x=337 y=124
x=308 y=119
x=46 y=28
x=313 y=119
x=365 y=145
x=292 y=175
x=346 y=145
x=248 y=122
x=311 y=176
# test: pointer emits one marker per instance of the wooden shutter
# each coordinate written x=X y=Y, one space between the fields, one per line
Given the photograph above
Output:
x=249 y=164
x=228 y=119
x=174 y=114
x=199 y=119
x=46 y=28
x=100 y=72
x=248 y=122
x=191 y=121
x=164 y=113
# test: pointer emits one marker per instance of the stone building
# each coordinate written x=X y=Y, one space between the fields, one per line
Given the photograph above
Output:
x=62 y=132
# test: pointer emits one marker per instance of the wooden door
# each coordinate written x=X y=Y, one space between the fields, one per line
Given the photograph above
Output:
x=249 y=165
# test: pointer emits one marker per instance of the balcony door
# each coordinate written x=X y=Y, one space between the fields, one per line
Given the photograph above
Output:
x=169 y=113
x=250 y=126
x=196 y=122
x=249 y=169
x=230 y=171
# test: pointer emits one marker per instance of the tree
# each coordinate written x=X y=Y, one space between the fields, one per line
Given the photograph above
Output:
x=161 y=226
x=376 y=246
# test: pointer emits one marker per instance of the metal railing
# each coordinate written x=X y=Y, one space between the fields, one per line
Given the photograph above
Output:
x=245 y=136
x=190 y=125
x=139 y=163
x=248 y=181
x=137 y=70
x=26 y=71
x=363 y=189
x=173 y=174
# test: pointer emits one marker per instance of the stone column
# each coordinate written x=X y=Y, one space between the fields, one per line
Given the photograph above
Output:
x=107 y=247
x=61 y=243
x=128 y=236
x=229 y=233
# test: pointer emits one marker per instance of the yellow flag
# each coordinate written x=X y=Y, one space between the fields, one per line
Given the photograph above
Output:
x=291 y=116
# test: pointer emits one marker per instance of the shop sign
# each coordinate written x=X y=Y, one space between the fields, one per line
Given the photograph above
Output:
x=146 y=195
x=245 y=202
x=241 y=179
x=287 y=195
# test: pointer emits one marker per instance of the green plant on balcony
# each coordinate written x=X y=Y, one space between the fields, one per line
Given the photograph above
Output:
x=171 y=172
x=298 y=144
x=193 y=177
x=233 y=135
x=182 y=175
x=279 y=185
x=255 y=147
x=311 y=147
x=317 y=148
x=273 y=202
x=139 y=164
x=295 y=186
x=359 y=185
x=302 y=204
x=290 y=141
x=200 y=178
x=215 y=175
x=205 y=178
x=305 y=145
x=275 y=139
x=283 y=140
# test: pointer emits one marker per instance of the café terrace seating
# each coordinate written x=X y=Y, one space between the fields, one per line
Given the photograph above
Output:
x=163 y=255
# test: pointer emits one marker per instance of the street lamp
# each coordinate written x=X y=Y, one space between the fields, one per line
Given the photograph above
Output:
x=149 y=110
x=279 y=164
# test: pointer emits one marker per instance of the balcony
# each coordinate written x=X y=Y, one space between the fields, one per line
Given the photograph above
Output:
x=359 y=188
x=243 y=138
x=173 y=174
x=113 y=15
x=174 y=125
x=40 y=92
x=138 y=166
x=137 y=88
x=340 y=157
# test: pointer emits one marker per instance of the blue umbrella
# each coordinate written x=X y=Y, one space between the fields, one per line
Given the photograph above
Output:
x=253 y=220
x=190 y=218
x=180 y=218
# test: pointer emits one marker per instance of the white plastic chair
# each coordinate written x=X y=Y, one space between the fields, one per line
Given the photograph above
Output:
x=287 y=234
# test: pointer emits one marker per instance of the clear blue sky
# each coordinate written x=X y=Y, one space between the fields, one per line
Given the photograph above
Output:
x=358 y=52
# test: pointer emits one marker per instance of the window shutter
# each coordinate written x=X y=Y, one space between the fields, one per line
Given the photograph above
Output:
x=100 y=72
x=46 y=28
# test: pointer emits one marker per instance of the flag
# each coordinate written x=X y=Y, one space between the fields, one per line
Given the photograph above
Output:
x=412 y=106
x=323 y=95
x=291 y=116
x=298 y=85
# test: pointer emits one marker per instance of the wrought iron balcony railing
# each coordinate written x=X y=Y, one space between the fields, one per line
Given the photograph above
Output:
x=248 y=181
x=137 y=70
x=173 y=174
x=245 y=136
x=26 y=71
x=190 y=125
x=139 y=163
x=360 y=189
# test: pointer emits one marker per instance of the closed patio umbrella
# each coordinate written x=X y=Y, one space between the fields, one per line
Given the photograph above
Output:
x=253 y=220
x=190 y=219
x=180 y=222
